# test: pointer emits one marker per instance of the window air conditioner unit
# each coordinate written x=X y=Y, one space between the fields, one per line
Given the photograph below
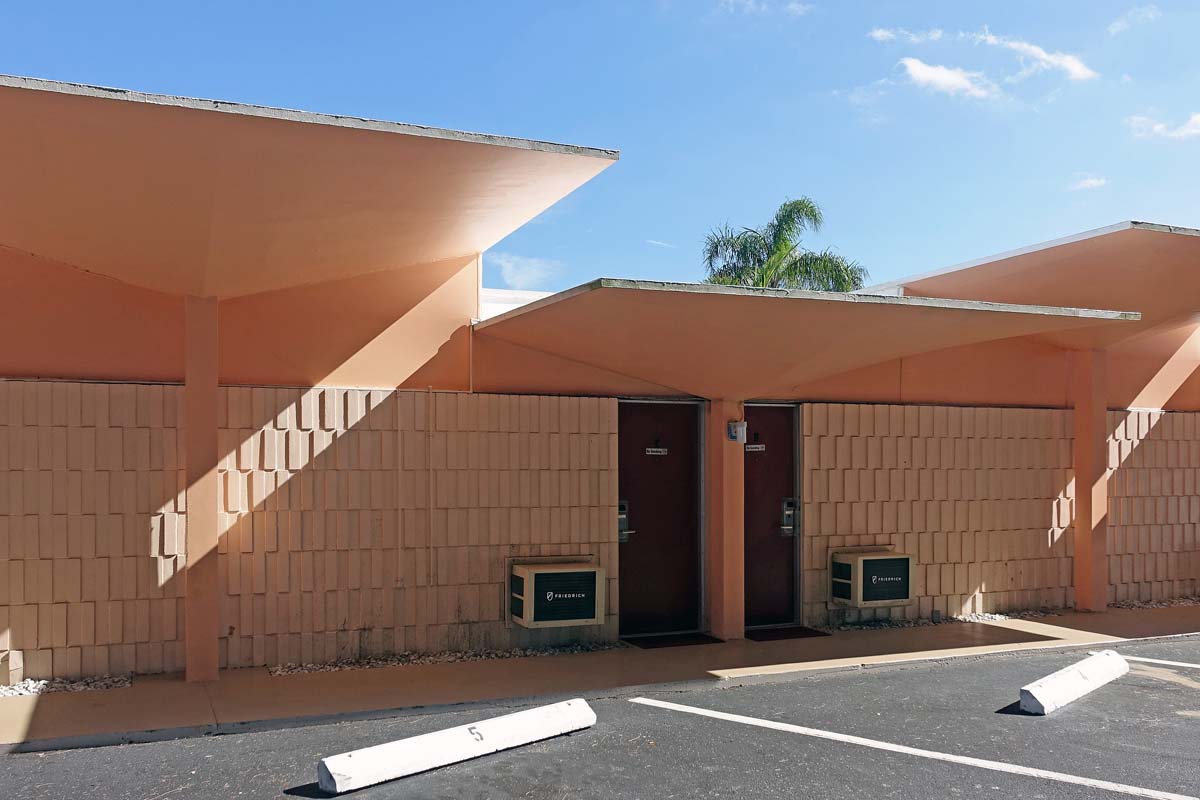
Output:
x=556 y=595
x=870 y=578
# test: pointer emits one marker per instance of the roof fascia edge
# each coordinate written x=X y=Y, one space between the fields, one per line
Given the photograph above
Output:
x=842 y=297
x=293 y=115
x=902 y=283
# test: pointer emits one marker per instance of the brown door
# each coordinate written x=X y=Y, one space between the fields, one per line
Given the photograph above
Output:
x=770 y=546
x=658 y=472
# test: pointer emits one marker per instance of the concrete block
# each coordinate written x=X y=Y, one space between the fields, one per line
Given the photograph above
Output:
x=1071 y=683
x=371 y=765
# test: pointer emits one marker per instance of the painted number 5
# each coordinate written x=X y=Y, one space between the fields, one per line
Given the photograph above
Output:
x=475 y=733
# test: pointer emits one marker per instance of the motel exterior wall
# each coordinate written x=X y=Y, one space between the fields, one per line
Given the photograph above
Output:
x=1153 y=505
x=982 y=498
x=327 y=499
x=92 y=529
x=325 y=496
x=360 y=523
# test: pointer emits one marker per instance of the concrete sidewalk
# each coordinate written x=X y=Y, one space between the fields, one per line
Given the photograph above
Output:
x=166 y=706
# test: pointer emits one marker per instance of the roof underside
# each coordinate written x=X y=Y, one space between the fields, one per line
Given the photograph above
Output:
x=1154 y=269
x=721 y=342
x=220 y=199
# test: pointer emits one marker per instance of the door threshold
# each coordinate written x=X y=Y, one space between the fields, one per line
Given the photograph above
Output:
x=653 y=641
x=776 y=633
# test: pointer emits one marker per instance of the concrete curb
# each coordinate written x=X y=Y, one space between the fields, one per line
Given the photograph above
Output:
x=284 y=723
x=88 y=740
x=368 y=766
x=1071 y=683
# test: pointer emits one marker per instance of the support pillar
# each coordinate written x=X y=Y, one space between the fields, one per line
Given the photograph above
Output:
x=1088 y=377
x=725 y=517
x=200 y=418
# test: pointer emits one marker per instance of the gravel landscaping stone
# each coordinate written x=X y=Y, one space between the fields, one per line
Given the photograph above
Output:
x=449 y=657
x=875 y=624
x=31 y=686
x=1168 y=603
x=886 y=623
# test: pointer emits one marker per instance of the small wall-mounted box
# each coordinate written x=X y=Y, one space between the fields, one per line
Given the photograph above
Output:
x=870 y=578
x=556 y=595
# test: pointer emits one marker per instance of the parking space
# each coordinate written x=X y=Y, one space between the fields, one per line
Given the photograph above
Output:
x=1140 y=731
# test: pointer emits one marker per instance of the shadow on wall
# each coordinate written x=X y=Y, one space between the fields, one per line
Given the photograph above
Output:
x=92 y=510
x=363 y=522
x=980 y=497
x=92 y=529
x=383 y=329
x=406 y=327
x=74 y=324
x=314 y=492
x=985 y=498
x=352 y=522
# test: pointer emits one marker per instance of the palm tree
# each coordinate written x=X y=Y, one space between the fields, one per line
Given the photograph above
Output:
x=772 y=256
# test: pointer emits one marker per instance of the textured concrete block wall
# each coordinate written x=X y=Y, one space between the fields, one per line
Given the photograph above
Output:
x=363 y=522
x=1153 y=505
x=91 y=529
x=981 y=497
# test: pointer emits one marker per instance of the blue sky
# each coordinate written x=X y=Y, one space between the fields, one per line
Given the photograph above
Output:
x=930 y=133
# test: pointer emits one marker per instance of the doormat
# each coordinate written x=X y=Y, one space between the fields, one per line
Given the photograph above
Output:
x=670 y=640
x=775 y=634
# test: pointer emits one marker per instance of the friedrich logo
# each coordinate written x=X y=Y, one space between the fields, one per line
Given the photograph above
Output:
x=885 y=579
x=550 y=596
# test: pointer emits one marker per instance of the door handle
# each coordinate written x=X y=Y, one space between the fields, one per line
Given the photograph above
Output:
x=787 y=517
x=623 y=529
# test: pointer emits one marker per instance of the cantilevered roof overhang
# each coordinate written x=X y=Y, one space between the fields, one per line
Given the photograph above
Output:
x=1141 y=265
x=222 y=199
x=735 y=343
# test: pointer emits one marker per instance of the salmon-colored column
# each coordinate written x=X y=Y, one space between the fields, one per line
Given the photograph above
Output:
x=200 y=418
x=1091 y=480
x=725 y=500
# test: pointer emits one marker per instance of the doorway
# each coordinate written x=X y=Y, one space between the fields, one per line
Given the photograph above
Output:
x=772 y=517
x=658 y=474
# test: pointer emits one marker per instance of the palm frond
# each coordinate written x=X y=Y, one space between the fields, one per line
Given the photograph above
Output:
x=791 y=220
x=774 y=258
x=825 y=271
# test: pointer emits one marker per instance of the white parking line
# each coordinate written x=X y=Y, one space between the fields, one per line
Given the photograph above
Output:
x=1157 y=661
x=995 y=766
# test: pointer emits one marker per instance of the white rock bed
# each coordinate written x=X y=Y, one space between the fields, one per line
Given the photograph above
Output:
x=448 y=657
x=31 y=686
x=874 y=624
x=1168 y=603
x=879 y=624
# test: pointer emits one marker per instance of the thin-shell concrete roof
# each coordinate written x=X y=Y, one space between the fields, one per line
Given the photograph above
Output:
x=738 y=343
x=1146 y=266
x=223 y=199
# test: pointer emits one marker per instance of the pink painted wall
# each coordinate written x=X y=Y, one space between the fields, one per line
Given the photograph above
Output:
x=405 y=327
x=61 y=322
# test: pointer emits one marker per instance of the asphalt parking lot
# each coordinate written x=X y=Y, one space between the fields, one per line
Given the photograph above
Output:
x=1143 y=732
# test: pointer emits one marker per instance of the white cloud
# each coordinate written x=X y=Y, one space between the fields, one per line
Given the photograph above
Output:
x=1134 y=16
x=1035 y=59
x=865 y=98
x=1087 y=182
x=657 y=243
x=744 y=6
x=1147 y=127
x=523 y=272
x=950 y=80
x=912 y=37
x=1126 y=78
x=866 y=94
x=792 y=7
